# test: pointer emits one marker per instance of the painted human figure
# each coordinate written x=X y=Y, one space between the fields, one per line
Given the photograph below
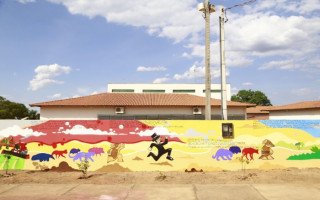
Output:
x=159 y=145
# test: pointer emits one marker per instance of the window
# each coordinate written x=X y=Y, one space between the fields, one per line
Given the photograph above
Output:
x=153 y=91
x=122 y=90
x=213 y=91
x=184 y=91
x=227 y=130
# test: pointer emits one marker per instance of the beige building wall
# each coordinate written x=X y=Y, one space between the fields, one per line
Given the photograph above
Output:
x=295 y=114
x=169 y=88
x=91 y=113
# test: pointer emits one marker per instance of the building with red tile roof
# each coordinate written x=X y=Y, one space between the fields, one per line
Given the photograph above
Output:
x=300 y=110
x=258 y=113
x=137 y=106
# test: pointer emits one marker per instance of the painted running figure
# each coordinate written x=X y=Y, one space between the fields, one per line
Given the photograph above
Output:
x=161 y=150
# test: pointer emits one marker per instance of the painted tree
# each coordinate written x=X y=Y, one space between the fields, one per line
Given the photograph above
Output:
x=7 y=143
x=299 y=145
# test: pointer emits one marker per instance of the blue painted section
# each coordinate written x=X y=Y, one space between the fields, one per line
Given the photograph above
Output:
x=310 y=126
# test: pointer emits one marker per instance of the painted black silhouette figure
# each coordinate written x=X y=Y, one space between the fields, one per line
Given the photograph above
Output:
x=159 y=145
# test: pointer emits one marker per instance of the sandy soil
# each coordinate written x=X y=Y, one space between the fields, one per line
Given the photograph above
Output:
x=291 y=175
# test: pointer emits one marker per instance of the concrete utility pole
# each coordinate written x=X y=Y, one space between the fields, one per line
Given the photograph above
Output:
x=207 y=8
x=224 y=113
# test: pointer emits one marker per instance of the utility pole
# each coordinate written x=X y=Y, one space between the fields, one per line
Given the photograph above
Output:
x=224 y=113
x=207 y=8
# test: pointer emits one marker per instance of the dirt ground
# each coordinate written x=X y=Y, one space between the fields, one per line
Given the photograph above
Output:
x=291 y=175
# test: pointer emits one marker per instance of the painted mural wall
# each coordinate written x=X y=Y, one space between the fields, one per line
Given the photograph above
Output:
x=175 y=145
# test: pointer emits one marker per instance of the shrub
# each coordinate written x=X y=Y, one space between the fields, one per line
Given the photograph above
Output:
x=315 y=149
x=83 y=167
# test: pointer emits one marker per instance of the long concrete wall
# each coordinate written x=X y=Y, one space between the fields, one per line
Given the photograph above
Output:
x=295 y=114
x=91 y=113
x=176 y=145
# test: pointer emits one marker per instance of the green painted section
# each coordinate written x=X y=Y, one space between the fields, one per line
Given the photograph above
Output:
x=20 y=163
x=305 y=156
x=14 y=162
x=153 y=91
x=2 y=160
x=123 y=90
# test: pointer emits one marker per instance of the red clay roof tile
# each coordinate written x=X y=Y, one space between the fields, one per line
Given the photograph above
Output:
x=258 y=109
x=296 y=106
x=138 y=99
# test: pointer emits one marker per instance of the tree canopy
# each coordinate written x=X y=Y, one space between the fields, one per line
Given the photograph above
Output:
x=13 y=110
x=254 y=97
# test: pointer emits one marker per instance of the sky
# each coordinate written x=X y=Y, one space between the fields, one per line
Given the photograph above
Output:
x=56 y=49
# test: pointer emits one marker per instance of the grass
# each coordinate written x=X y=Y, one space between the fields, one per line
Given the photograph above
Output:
x=305 y=156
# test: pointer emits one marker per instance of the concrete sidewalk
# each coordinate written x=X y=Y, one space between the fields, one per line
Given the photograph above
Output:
x=160 y=191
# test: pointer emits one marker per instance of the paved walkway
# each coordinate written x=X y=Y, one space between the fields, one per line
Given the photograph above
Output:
x=161 y=192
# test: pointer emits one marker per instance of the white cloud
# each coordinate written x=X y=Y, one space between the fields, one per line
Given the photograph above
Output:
x=266 y=28
x=195 y=72
x=16 y=130
x=237 y=59
x=172 y=19
x=262 y=33
x=149 y=69
x=302 y=63
x=81 y=130
x=26 y=1
x=45 y=75
x=186 y=55
x=161 y=80
x=55 y=96
x=247 y=84
x=234 y=91
x=302 y=92
x=83 y=90
x=233 y=58
x=300 y=7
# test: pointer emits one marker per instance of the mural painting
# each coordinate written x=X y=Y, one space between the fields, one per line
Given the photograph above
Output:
x=165 y=145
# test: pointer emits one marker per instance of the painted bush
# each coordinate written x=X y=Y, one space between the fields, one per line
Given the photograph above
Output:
x=120 y=145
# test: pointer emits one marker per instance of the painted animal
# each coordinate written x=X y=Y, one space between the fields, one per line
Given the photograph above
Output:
x=42 y=157
x=266 y=150
x=249 y=151
x=235 y=149
x=59 y=153
x=225 y=154
x=96 y=150
x=73 y=151
x=81 y=155
x=114 y=152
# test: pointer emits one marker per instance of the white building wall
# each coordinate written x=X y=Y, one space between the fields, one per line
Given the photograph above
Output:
x=91 y=113
x=295 y=114
x=169 y=88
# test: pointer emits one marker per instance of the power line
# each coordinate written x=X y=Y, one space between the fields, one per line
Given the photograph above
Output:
x=237 y=5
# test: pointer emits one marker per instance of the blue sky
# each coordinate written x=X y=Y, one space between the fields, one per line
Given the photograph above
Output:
x=54 y=49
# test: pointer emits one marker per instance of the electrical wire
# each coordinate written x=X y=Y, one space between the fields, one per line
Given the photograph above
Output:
x=237 y=5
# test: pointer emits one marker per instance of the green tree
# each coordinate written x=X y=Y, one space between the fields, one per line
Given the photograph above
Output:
x=13 y=110
x=254 y=97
